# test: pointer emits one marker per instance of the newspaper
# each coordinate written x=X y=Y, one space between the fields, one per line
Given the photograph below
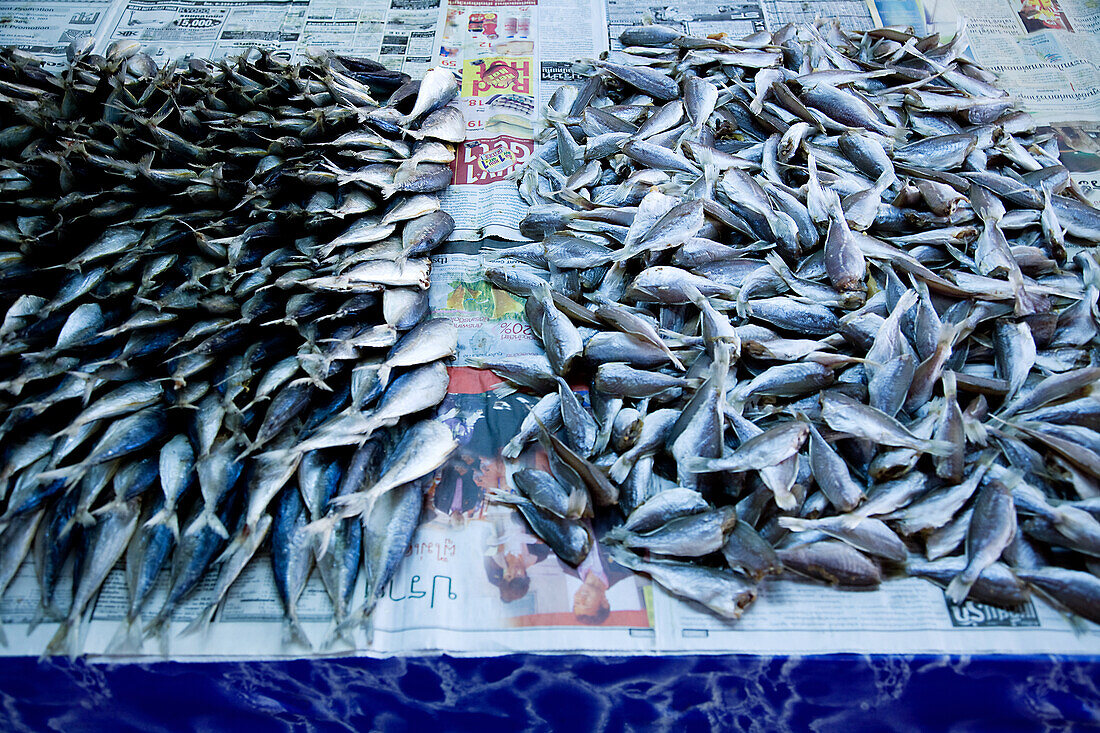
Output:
x=1045 y=53
x=476 y=580
x=47 y=28
x=511 y=55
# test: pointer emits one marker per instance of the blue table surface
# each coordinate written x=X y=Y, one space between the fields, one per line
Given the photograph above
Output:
x=533 y=692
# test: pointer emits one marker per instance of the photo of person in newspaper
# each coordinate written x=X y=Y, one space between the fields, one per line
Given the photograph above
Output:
x=597 y=592
x=458 y=494
x=459 y=491
x=597 y=574
x=1040 y=15
x=517 y=551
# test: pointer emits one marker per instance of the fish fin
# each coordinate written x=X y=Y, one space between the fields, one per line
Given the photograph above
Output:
x=322 y=530
x=620 y=469
x=616 y=535
x=128 y=639
x=578 y=504
x=959 y=587
x=145 y=165
x=63 y=641
x=202 y=621
x=293 y=633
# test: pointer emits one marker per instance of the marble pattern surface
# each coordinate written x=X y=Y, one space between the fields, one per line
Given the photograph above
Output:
x=544 y=693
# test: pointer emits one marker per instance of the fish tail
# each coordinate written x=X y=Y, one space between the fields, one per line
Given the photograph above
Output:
x=63 y=641
x=620 y=469
x=502 y=497
x=321 y=530
x=201 y=622
x=577 y=505
x=940 y=447
x=795 y=524
x=384 y=372
x=512 y=449
x=293 y=633
x=208 y=519
x=851 y=520
x=161 y=517
x=959 y=587
x=345 y=627
x=784 y=499
x=697 y=464
x=128 y=639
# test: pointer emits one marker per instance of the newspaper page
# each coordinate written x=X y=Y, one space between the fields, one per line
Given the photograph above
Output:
x=46 y=29
x=507 y=52
x=695 y=17
x=851 y=14
x=401 y=34
x=925 y=17
x=1046 y=53
x=1050 y=86
x=170 y=30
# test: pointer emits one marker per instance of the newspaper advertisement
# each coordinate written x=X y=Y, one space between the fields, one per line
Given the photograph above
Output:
x=510 y=55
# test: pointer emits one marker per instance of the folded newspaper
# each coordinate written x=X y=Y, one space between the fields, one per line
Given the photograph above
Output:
x=476 y=580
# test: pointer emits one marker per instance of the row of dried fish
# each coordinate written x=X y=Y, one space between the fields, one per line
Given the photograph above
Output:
x=216 y=327
x=827 y=296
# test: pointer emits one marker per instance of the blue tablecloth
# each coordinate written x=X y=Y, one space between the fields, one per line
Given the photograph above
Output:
x=530 y=692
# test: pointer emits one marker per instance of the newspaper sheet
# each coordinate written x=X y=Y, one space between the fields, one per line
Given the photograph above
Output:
x=47 y=28
x=511 y=55
x=1046 y=53
x=476 y=580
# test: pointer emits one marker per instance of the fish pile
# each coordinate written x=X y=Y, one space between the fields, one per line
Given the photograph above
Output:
x=215 y=335
x=833 y=301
